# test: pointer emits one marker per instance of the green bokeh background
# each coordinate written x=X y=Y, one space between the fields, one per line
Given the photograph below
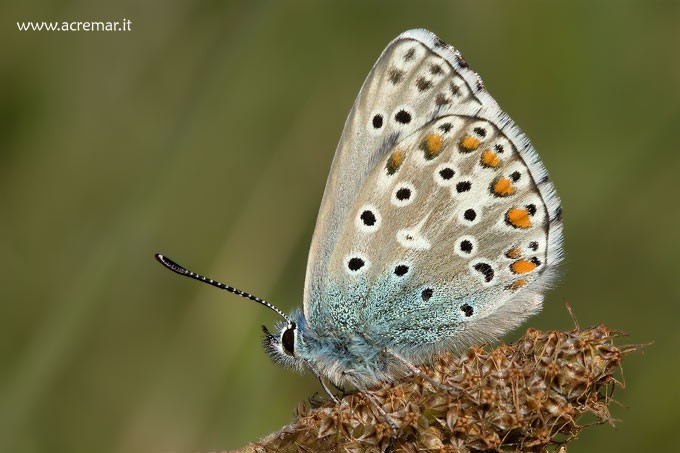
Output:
x=207 y=133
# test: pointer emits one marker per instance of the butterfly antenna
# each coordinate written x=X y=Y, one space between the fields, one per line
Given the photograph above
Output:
x=170 y=264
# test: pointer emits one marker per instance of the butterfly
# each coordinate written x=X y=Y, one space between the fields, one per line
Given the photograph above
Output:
x=438 y=227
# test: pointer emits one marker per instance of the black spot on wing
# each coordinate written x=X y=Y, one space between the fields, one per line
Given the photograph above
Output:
x=403 y=117
x=423 y=84
x=486 y=270
x=395 y=75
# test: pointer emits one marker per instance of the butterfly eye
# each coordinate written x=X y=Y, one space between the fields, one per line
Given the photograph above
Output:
x=288 y=340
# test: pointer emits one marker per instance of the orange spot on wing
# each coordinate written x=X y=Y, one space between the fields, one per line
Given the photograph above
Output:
x=503 y=188
x=518 y=284
x=434 y=142
x=490 y=159
x=395 y=161
x=432 y=145
x=522 y=266
x=514 y=253
x=469 y=144
x=518 y=218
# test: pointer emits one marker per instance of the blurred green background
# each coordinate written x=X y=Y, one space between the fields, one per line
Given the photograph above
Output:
x=207 y=133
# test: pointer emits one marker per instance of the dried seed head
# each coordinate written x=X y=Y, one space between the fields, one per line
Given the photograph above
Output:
x=512 y=397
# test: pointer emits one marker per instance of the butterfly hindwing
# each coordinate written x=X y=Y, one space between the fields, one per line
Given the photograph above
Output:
x=451 y=239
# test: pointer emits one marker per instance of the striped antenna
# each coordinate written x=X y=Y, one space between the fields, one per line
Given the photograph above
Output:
x=170 y=264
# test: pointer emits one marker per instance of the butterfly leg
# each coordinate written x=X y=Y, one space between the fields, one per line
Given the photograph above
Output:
x=342 y=390
x=417 y=371
x=323 y=384
x=388 y=419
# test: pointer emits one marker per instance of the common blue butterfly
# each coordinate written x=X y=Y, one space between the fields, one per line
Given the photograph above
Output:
x=438 y=226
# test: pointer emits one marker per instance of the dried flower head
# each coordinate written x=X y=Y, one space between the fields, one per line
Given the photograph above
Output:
x=525 y=396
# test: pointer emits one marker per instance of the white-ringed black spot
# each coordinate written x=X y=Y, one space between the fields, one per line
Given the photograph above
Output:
x=470 y=215
x=531 y=208
x=533 y=245
x=480 y=131
x=447 y=173
x=426 y=294
x=377 y=121
x=435 y=69
x=498 y=147
x=515 y=175
x=368 y=218
x=404 y=193
x=463 y=186
x=466 y=246
x=403 y=117
x=355 y=263
x=467 y=310
x=400 y=270
x=445 y=127
x=486 y=270
x=455 y=89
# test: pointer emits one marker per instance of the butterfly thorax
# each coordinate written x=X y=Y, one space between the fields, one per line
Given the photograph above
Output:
x=342 y=354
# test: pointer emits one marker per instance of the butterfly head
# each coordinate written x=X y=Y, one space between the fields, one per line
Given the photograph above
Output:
x=284 y=344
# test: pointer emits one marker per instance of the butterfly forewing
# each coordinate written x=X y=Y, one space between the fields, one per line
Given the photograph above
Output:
x=416 y=78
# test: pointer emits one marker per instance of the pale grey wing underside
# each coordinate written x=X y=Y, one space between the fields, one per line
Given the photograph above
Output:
x=452 y=238
x=417 y=78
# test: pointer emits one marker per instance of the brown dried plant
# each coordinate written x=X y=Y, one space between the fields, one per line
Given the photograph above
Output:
x=528 y=396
